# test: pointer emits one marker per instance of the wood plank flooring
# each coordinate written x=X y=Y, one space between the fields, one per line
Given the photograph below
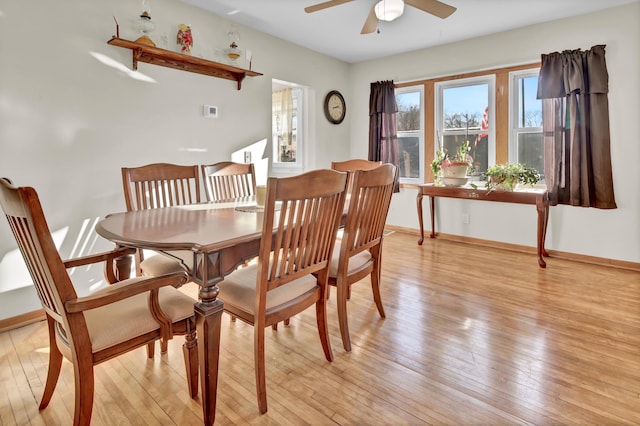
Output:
x=473 y=336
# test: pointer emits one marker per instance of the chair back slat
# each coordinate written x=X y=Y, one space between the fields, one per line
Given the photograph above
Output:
x=299 y=234
x=23 y=211
x=227 y=180
x=160 y=185
x=368 y=208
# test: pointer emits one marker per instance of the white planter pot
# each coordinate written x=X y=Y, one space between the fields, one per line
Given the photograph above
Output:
x=455 y=170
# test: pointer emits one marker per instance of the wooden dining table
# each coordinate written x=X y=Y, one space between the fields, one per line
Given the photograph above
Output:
x=211 y=240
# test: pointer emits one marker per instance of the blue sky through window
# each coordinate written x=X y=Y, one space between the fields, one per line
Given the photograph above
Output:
x=466 y=99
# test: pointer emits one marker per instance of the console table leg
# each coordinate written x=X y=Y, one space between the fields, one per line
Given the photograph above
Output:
x=419 y=202
x=432 y=209
x=544 y=231
x=543 y=211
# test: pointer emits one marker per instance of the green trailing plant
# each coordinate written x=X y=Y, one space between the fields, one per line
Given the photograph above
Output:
x=507 y=176
x=436 y=164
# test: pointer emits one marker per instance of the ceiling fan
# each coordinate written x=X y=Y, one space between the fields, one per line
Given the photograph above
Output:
x=388 y=10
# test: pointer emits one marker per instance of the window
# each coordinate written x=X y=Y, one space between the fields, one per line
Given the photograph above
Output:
x=463 y=113
x=288 y=130
x=525 y=118
x=409 y=123
x=495 y=110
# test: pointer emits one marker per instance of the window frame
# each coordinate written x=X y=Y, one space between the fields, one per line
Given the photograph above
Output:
x=419 y=133
x=514 y=101
x=499 y=119
x=441 y=86
x=302 y=135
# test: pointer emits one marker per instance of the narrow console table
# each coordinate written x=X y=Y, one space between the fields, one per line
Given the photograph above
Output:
x=534 y=196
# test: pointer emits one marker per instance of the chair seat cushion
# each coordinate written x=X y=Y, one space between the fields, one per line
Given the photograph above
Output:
x=239 y=289
x=161 y=264
x=132 y=316
x=356 y=262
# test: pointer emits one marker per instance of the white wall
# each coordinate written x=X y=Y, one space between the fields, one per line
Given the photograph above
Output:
x=610 y=234
x=68 y=122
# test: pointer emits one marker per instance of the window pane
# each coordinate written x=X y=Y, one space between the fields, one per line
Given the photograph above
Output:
x=409 y=156
x=531 y=150
x=526 y=143
x=529 y=108
x=408 y=116
x=464 y=106
x=466 y=118
x=410 y=135
x=285 y=111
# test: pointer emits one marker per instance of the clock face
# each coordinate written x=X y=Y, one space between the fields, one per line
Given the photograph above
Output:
x=335 y=107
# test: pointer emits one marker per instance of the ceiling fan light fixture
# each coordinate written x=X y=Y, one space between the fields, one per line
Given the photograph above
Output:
x=388 y=10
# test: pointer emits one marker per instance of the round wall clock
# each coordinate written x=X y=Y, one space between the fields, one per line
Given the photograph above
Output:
x=334 y=107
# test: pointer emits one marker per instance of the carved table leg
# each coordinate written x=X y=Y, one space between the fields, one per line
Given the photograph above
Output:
x=419 y=202
x=542 y=206
x=123 y=268
x=545 y=203
x=208 y=321
x=432 y=210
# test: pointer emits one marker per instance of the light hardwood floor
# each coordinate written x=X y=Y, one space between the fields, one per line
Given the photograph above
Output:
x=473 y=336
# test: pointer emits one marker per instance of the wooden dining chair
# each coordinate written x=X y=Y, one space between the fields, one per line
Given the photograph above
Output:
x=160 y=185
x=301 y=218
x=228 y=180
x=104 y=324
x=353 y=165
x=358 y=250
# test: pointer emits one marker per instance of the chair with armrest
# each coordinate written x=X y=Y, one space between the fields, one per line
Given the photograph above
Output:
x=109 y=322
x=228 y=180
x=160 y=185
x=358 y=250
x=301 y=217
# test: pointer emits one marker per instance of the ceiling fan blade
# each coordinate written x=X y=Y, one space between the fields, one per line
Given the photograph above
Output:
x=371 y=23
x=434 y=7
x=324 y=5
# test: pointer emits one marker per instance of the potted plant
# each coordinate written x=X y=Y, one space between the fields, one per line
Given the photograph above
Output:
x=507 y=176
x=455 y=166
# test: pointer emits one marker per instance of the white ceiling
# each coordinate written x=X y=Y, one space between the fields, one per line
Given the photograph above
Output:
x=336 y=31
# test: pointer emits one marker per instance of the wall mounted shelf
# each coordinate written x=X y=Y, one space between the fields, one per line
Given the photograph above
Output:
x=179 y=61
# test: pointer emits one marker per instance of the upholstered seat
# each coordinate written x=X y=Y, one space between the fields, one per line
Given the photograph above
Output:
x=243 y=290
x=133 y=314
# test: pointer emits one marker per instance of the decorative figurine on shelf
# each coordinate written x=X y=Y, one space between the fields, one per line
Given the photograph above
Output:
x=185 y=39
